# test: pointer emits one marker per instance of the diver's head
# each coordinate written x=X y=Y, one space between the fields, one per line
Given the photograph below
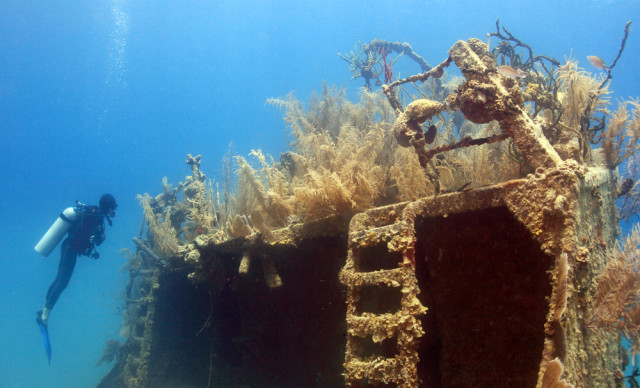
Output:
x=108 y=205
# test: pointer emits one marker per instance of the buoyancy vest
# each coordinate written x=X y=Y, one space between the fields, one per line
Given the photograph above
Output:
x=90 y=223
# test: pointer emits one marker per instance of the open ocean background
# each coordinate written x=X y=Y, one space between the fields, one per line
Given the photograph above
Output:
x=110 y=96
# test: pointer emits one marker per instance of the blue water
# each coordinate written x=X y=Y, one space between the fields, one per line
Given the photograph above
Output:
x=110 y=96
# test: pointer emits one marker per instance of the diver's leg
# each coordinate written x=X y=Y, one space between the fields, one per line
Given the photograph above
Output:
x=65 y=270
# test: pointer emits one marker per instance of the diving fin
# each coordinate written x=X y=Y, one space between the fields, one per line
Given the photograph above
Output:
x=44 y=331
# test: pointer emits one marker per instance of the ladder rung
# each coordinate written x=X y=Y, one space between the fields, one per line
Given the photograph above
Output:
x=383 y=370
x=370 y=324
x=372 y=236
x=390 y=277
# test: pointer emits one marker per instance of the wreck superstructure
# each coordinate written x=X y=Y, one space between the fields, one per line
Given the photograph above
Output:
x=487 y=286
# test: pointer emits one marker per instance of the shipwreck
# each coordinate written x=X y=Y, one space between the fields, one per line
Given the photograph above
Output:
x=483 y=284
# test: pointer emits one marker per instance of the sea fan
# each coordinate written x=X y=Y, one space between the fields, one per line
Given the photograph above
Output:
x=617 y=299
x=110 y=352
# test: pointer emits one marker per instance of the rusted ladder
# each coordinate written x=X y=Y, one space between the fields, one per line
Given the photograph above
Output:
x=380 y=276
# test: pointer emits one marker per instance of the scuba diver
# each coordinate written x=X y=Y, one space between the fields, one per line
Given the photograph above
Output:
x=85 y=225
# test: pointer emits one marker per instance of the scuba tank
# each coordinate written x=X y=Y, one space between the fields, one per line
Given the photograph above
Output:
x=59 y=228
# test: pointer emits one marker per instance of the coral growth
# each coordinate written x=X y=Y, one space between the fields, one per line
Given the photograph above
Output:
x=161 y=230
x=620 y=137
x=341 y=156
x=578 y=90
x=617 y=299
x=628 y=190
x=178 y=215
x=552 y=375
x=110 y=352
x=266 y=191
x=369 y=61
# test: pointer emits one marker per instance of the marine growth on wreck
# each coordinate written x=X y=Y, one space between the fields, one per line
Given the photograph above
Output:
x=443 y=231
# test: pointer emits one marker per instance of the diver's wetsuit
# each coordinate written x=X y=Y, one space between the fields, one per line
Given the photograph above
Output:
x=86 y=232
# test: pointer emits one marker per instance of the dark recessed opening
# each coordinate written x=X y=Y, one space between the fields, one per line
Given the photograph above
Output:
x=244 y=333
x=379 y=299
x=376 y=258
x=387 y=348
x=139 y=330
x=142 y=310
x=485 y=282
